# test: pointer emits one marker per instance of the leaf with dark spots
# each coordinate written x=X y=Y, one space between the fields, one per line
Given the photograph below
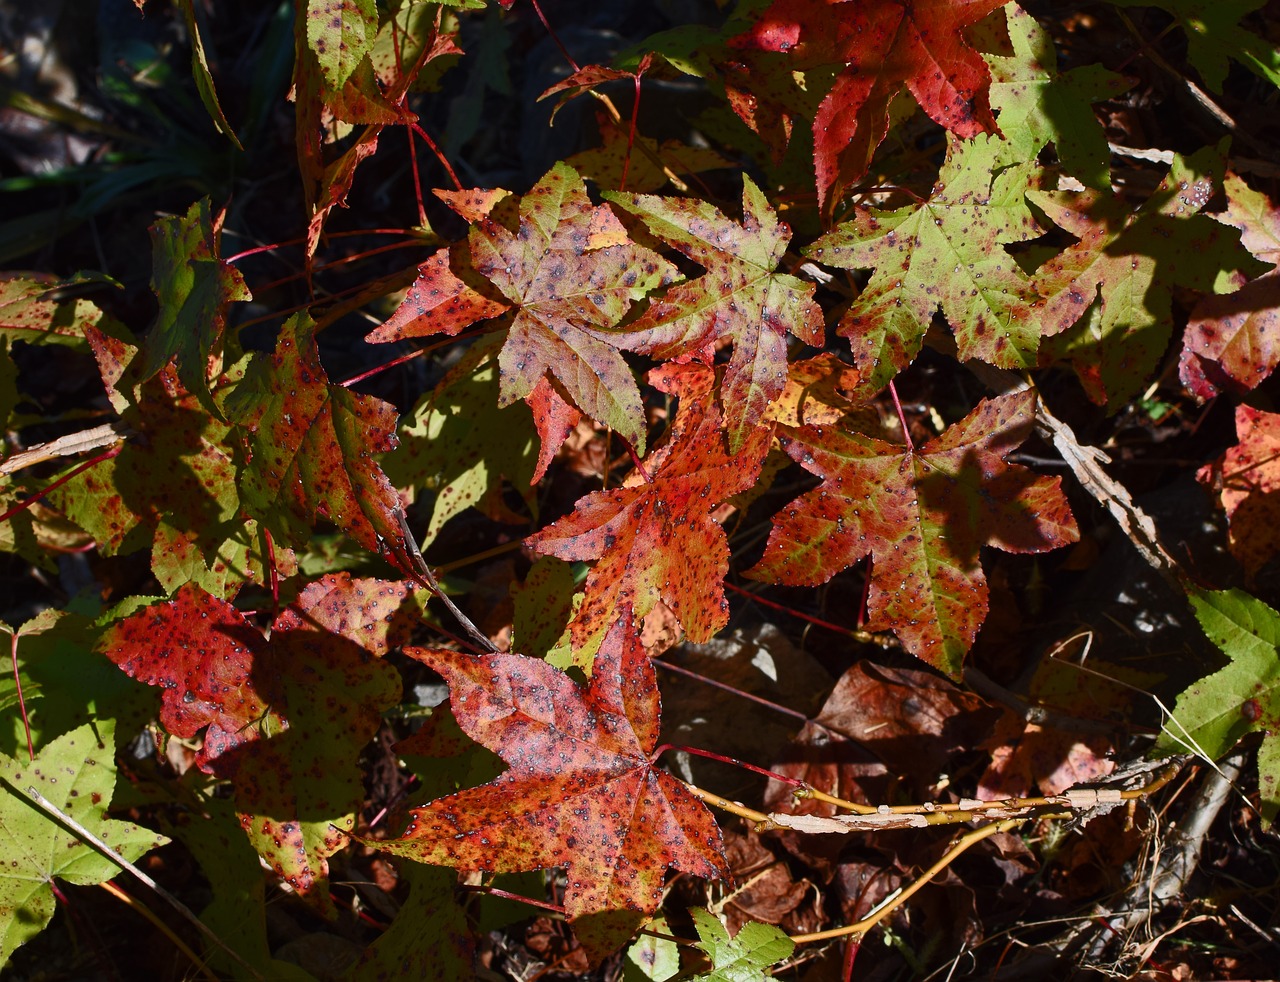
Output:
x=571 y=273
x=30 y=310
x=657 y=540
x=284 y=719
x=199 y=651
x=312 y=448
x=1232 y=341
x=948 y=252
x=438 y=302
x=877 y=48
x=194 y=287
x=1129 y=263
x=921 y=516
x=341 y=33
x=740 y=296
x=581 y=791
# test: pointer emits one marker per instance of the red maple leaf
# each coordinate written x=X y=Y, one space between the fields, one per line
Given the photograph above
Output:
x=878 y=47
x=922 y=515
x=657 y=540
x=740 y=296
x=582 y=791
x=284 y=719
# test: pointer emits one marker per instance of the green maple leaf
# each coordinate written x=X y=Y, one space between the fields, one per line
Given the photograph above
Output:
x=459 y=444
x=77 y=774
x=194 y=287
x=312 y=449
x=746 y=956
x=1215 y=713
x=1129 y=263
x=1214 y=35
x=1038 y=105
x=944 y=252
x=923 y=516
x=571 y=273
x=741 y=296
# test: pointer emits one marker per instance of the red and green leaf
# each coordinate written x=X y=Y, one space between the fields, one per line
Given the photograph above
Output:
x=740 y=296
x=312 y=447
x=946 y=252
x=922 y=516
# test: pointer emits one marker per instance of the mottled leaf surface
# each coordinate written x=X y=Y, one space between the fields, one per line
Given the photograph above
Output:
x=571 y=273
x=922 y=518
x=740 y=296
x=31 y=311
x=946 y=252
x=438 y=302
x=341 y=33
x=1128 y=262
x=75 y=773
x=1215 y=713
x=313 y=447
x=1232 y=341
x=284 y=719
x=580 y=792
x=877 y=48
x=655 y=540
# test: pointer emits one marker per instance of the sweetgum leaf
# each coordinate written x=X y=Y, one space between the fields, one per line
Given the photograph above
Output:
x=744 y=957
x=656 y=540
x=1038 y=105
x=1129 y=262
x=1214 y=35
x=194 y=287
x=948 y=252
x=741 y=296
x=1215 y=713
x=571 y=273
x=285 y=719
x=77 y=774
x=581 y=791
x=312 y=449
x=1247 y=480
x=429 y=938
x=922 y=516
x=878 y=47
x=30 y=310
x=1233 y=341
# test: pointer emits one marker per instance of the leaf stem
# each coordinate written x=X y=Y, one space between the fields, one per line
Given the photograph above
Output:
x=867 y=923
x=902 y=418
x=22 y=704
x=724 y=804
x=725 y=687
x=732 y=761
